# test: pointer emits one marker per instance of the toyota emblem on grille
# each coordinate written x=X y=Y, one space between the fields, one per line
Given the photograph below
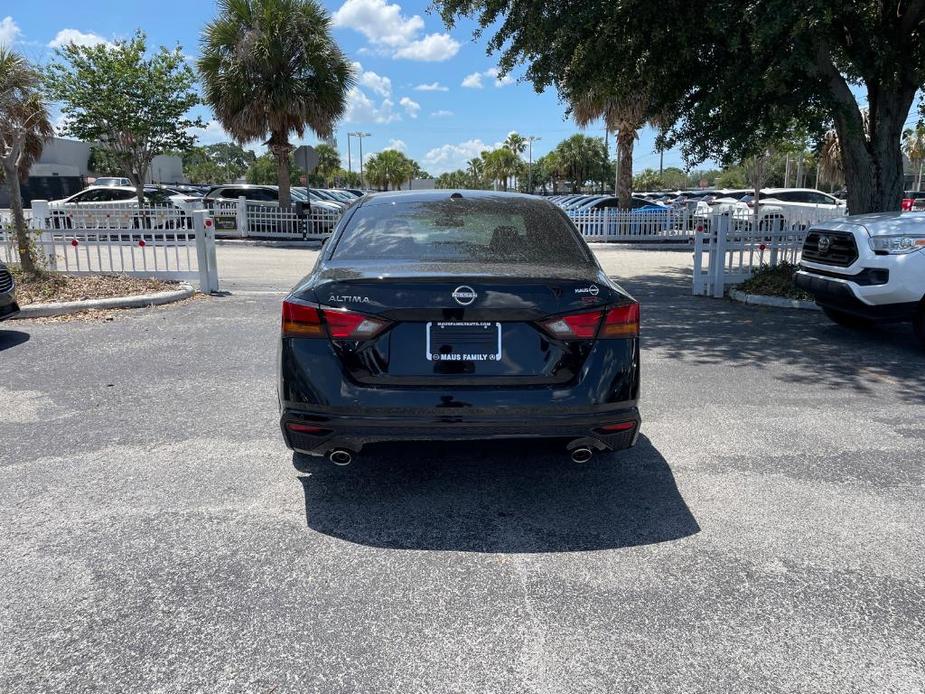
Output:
x=464 y=295
x=825 y=243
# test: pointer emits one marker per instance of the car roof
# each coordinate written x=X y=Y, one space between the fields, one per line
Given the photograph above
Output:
x=404 y=196
x=772 y=191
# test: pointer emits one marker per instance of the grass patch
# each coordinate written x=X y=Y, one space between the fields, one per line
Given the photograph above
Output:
x=775 y=281
x=55 y=286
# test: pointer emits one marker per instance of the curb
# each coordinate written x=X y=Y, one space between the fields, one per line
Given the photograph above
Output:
x=641 y=246
x=774 y=301
x=139 y=301
x=270 y=243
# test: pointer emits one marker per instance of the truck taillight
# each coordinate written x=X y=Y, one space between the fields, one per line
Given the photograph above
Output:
x=906 y=204
x=302 y=320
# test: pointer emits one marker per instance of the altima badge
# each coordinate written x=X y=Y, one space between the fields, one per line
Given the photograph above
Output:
x=592 y=290
x=464 y=295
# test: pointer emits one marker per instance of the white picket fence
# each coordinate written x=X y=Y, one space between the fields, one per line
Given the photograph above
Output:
x=728 y=249
x=145 y=243
x=634 y=225
x=243 y=219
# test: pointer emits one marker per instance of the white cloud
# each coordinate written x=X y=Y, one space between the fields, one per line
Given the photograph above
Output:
x=362 y=109
x=412 y=108
x=388 y=30
x=9 y=32
x=475 y=80
x=432 y=87
x=379 y=22
x=431 y=48
x=68 y=36
x=397 y=145
x=212 y=133
x=450 y=157
x=499 y=81
x=379 y=84
x=442 y=113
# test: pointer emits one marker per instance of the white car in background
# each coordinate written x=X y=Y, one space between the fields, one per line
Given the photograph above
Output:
x=111 y=207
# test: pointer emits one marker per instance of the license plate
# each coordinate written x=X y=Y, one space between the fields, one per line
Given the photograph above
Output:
x=463 y=341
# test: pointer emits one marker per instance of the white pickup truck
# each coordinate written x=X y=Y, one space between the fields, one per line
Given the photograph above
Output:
x=867 y=268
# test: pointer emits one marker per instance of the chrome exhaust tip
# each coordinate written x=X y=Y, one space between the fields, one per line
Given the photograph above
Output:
x=581 y=454
x=340 y=457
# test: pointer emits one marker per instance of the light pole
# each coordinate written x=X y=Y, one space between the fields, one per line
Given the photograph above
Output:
x=360 y=135
x=530 y=140
x=349 y=150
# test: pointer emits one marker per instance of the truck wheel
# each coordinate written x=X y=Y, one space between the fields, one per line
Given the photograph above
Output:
x=918 y=324
x=846 y=320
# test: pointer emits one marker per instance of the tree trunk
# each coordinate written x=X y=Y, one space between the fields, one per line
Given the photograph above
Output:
x=279 y=145
x=626 y=139
x=23 y=242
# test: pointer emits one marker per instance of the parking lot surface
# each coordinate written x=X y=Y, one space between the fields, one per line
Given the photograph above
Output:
x=765 y=535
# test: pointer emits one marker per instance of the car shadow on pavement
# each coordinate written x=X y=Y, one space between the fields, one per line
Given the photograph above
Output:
x=495 y=497
x=799 y=347
x=12 y=338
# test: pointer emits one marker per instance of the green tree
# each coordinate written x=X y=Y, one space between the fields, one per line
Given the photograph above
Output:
x=622 y=114
x=733 y=77
x=219 y=163
x=388 y=168
x=731 y=177
x=24 y=130
x=133 y=105
x=453 y=179
x=265 y=169
x=270 y=68
x=328 y=163
x=581 y=159
x=648 y=180
x=914 y=149
x=500 y=164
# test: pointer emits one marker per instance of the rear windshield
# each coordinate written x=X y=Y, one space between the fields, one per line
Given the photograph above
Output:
x=453 y=230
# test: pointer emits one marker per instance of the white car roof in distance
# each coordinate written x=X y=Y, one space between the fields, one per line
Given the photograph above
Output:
x=773 y=191
x=878 y=223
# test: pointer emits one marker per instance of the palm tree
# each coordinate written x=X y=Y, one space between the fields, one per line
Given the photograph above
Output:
x=24 y=130
x=500 y=164
x=270 y=68
x=476 y=170
x=914 y=148
x=622 y=115
x=388 y=168
x=831 y=168
x=516 y=142
x=328 y=162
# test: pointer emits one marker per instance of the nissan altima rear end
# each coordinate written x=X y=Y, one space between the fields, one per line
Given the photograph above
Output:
x=457 y=316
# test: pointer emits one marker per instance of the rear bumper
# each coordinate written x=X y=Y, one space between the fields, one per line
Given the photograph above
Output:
x=354 y=431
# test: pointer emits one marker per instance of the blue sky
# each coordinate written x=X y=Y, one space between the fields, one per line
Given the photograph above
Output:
x=427 y=91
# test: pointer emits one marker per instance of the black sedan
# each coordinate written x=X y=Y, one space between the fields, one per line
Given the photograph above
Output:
x=433 y=315
x=8 y=305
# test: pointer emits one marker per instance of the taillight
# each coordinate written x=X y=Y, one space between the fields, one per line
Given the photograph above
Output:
x=576 y=326
x=621 y=321
x=300 y=320
x=906 y=204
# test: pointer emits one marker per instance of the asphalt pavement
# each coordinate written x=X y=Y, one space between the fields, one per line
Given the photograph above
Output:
x=764 y=536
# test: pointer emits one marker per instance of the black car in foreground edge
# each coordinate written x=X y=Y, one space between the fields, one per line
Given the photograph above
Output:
x=439 y=315
x=8 y=305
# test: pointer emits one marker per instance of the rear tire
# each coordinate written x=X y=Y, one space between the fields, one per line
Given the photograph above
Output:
x=918 y=324
x=847 y=320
